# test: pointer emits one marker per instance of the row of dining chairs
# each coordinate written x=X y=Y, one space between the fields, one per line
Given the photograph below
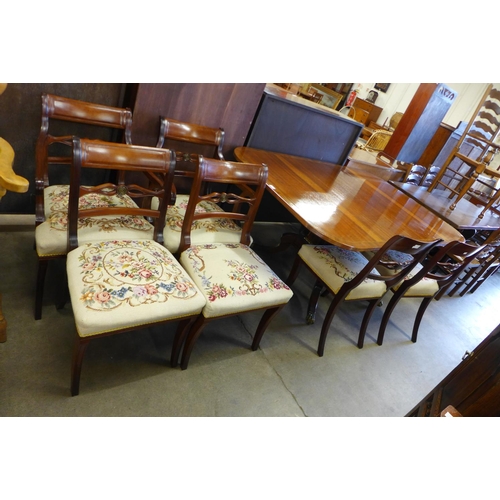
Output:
x=121 y=273
x=120 y=284
x=54 y=148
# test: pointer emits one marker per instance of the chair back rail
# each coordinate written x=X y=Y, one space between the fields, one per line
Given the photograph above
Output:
x=112 y=156
x=57 y=108
x=250 y=179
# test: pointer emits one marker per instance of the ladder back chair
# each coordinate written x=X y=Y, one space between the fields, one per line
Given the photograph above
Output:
x=231 y=276
x=474 y=150
x=350 y=276
x=120 y=283
x=429 y=280
x=187 y=135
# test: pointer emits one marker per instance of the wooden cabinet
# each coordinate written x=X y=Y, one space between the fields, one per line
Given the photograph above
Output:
x=473 y=387
x=420 y=122
x=373 y=110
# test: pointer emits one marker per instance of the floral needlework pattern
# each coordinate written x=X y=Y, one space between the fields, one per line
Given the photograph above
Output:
x=58 y=200
x=175 y=218
x=59 y=222
x=245 y=276
x=115 y=273
x=335 y=261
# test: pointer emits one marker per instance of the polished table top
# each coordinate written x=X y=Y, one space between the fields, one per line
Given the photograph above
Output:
x=464 y=216
x=346 y=209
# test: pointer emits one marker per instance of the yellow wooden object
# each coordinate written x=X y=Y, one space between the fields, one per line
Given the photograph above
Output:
x=9 y=180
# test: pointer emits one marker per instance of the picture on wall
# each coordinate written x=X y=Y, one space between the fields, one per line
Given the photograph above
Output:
x=382 y=86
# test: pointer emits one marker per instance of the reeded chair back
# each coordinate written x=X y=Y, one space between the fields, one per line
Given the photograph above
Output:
x=231 y=276
x=350 y=276
x=118 y=283
x=106 y=122
x=474 y=150
x=430 y=280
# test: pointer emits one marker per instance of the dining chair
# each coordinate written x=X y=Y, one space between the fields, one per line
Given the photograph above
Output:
x=190 y=137
x=349 y=276
x=483 y=266
x=429 y=280
x=53 y=146
x=51 y=200
x=120 y=283
x=473 y=152
x=231 y=276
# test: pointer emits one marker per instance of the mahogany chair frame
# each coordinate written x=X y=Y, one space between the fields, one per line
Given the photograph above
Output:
x=67 y=110
x=438 y=267
x=488 y=262
x=71 y=110
x=128 y=158
x=251 y=178
x=417 y=249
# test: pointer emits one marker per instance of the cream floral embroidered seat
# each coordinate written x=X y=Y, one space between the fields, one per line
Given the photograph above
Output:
x=120 y=284
x=71 y=115
x=430 y=280
x=349 y=276
x=194 y=139
x=231 y=276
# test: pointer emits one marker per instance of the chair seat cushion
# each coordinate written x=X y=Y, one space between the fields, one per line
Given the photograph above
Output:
x=120 y=284
x=392 y=256
x=426 y=287
x=202 y=231
x=336 y=266
x=56 y=200
x=233 y=279
x=51 y=236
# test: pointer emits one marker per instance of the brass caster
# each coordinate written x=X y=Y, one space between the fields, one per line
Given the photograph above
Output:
x=310 y=319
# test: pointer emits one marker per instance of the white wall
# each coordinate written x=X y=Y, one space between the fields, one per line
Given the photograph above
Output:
x=399 y=95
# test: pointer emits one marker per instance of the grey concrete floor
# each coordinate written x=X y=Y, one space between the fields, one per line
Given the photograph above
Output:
x=129 y=374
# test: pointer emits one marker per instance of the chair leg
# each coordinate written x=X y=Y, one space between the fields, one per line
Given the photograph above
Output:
x=464 y=190
x=387 y=313
x=81 y=345
x=366 y=319
x=328 y=321
x=294 y=272
x=192 y=337
x=263 y=324
x=420 y=313
x=180 y=335
x=40 y=281
x=313 y=302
